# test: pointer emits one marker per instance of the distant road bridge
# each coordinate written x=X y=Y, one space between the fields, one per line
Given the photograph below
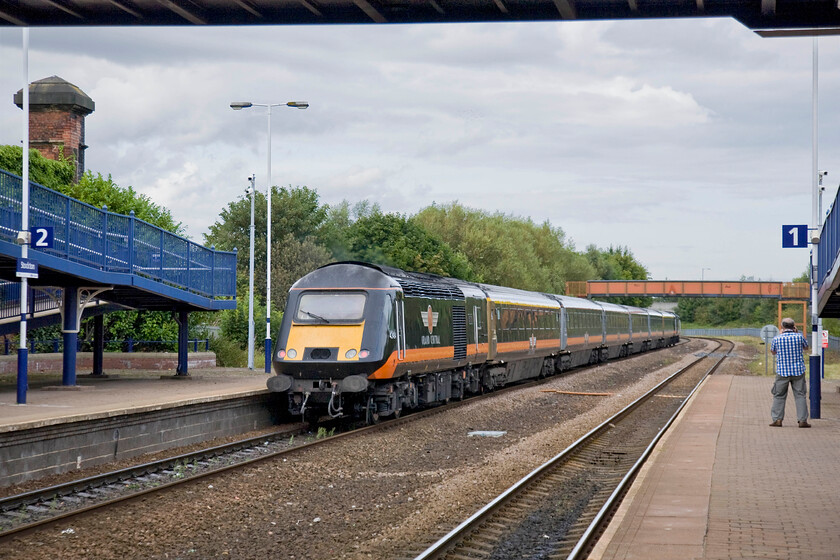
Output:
x=788 y=291
x=784 y=292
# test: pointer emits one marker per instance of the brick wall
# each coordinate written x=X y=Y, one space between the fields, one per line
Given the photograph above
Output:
x=52 y=129
x=163 y=361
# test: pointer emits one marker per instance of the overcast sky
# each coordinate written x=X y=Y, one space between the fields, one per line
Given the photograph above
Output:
x=688 y=141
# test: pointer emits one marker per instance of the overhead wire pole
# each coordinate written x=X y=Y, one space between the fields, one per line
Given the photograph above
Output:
x=252 y=192
x=814 y=362
x=268 y=252
x=23 y=353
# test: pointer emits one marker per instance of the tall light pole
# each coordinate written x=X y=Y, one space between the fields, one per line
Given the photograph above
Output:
x=815 y=385
x=251 y=190
x=23 y=353
x=702 y=272
x=237 y=106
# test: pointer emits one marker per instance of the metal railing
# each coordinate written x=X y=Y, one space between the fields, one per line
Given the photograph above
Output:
x=10 y=300
x=829 y=247
x=833 y=341
x=111 y=242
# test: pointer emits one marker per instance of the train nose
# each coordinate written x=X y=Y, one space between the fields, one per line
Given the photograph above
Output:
x=323 y=343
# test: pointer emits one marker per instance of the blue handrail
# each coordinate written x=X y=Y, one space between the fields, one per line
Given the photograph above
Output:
x=829 y=248
x=10 y=300
x=113 y=242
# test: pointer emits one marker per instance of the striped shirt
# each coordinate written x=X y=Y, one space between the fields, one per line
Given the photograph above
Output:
x=788 y=348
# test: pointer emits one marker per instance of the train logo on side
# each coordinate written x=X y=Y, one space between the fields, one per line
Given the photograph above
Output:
x=430 y=319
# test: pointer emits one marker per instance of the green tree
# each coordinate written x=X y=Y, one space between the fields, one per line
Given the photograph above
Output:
x=298 y=221
x=296 y=211
x=234 y=322
x=290 y=260
x=333 y=233
x=507 y=250
x=142 y=326
x=618 y=263
x=100 y=191
x=52 y=174
x=395 y=240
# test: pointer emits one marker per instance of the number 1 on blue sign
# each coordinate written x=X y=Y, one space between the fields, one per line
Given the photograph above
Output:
x=794 y=233
x=794 y=236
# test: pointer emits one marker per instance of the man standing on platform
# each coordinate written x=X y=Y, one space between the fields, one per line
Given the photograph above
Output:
x=790 y=370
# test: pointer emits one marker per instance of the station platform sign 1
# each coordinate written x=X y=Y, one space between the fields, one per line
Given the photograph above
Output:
x=26 y=268
x=794 y=236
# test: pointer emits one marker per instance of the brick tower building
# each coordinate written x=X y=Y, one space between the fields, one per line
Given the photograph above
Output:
x=57 y=111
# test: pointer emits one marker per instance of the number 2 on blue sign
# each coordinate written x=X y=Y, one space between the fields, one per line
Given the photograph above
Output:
x=42 y=237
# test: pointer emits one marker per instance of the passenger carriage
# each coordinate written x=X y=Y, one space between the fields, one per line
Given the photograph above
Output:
x=366 y=340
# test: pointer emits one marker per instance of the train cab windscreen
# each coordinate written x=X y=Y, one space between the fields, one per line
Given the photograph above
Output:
x=331 y=307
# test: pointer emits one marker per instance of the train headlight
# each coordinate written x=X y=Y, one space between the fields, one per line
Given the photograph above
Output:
x=281 y=354
x=350 y=354
x=364 y=354
x=291 y=353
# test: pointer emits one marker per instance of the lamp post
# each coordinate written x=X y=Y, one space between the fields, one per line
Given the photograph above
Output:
x=23 y=353
x=237 y=106
x=815 y=385
x=702 y=272
x=251 y=190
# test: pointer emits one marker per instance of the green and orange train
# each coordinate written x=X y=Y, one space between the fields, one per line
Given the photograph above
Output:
x=371 y=341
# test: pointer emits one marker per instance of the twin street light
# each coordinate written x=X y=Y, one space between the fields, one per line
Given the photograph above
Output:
x=237 y=106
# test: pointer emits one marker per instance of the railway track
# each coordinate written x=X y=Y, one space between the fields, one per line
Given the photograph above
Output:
x=38 y=509
x=30 y=510
x=560 y=508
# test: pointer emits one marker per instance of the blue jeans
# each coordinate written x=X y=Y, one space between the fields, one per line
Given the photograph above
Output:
x=780 y=389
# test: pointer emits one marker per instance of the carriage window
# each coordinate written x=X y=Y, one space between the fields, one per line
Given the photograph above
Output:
x=326 y=307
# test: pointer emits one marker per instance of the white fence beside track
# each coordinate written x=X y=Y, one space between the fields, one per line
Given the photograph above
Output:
x=833 y=341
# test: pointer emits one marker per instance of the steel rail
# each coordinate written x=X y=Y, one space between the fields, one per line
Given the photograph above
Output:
x=67 y=488
x=122 y=475
x=448 y=541
x=589 y=535
x=97 y=481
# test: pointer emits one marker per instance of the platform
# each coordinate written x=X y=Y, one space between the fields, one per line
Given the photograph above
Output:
x=122 y=393
x=130 y=413
x=723 y=484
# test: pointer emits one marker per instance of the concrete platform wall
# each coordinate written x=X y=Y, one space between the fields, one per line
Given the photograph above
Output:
x=112 y=361
x=34 y=453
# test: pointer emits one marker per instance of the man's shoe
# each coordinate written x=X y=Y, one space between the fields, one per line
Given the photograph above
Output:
x=804 y=425
x=778 y=424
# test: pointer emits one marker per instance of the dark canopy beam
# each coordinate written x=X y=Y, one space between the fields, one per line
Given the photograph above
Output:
x=769 y=17
x=566 y=8
x=190 y=14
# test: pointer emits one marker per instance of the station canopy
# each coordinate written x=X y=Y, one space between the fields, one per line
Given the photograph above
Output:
x=767 y=17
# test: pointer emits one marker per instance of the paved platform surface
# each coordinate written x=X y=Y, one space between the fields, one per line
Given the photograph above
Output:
x=723 y=484
x=48 y=403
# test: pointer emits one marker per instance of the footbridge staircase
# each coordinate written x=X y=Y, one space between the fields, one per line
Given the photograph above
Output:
x=101 y=261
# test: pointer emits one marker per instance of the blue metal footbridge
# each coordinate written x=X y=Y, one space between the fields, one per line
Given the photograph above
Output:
x=102 y=260
x=828 y=263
